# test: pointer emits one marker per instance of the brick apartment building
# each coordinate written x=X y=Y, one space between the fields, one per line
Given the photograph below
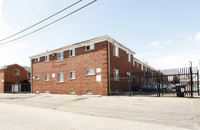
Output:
x=11 y=74
x=83 y=68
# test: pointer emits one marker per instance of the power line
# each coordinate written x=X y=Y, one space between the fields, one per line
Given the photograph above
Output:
x=40 y=21
x=50 y=23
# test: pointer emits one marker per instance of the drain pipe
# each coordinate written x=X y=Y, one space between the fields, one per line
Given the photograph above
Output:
x=109 y=92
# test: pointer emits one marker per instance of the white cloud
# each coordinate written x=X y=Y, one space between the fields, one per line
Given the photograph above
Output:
x=168 y=42
x=175 y=61
x=195 y=13
x=189 y=39
x=12 y=52
x=198 y=37
x=155 y=44
x=1 y=4
x=177 y=36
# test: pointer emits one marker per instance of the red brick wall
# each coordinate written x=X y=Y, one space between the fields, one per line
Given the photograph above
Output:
x=122 y=64
x=10 y=77
x=82 y=60
x=1 y=80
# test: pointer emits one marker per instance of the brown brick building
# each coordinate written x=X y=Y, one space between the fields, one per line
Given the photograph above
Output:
x=83 y=68
x=13 y=74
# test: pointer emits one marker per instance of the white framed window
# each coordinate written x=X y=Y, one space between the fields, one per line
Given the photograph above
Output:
x=37 y=77
x=60 y=77
x=129 y=57
x=89 y=47
x=133 y=62
x=142 y=67
x=16 y=71
x=146 y=68
x=37 y=59
x=72 y=75
x=72 y=52
x=137 y=79
x=72 y=92
x=116 y=74
x=28 y=75
x=89 y=92
x=60 y=56
x=137 y=64
x=47 y=58
x=46 y=77
x=115 y=51
x=90 y=72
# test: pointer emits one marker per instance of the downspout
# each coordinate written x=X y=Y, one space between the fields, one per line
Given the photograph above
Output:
x=109 y=92
x=31 y=76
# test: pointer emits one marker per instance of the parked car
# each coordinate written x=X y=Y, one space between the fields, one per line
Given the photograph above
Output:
x=151 y=86
x=148 y=86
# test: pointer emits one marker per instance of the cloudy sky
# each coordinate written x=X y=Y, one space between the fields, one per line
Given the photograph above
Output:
x=166 y=34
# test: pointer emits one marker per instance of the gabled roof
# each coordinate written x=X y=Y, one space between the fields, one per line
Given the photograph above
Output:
x=25 y=67
x=85 y=43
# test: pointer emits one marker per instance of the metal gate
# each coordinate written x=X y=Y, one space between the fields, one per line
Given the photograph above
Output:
x=183 y=82
x=17 y=88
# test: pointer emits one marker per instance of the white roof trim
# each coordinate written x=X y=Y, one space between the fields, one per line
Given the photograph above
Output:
x=144 y=64
x=85 y=43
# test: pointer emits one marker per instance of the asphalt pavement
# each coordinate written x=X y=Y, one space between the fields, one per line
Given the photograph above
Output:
x=29 y=111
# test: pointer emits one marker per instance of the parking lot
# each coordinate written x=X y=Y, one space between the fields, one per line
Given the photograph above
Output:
x=141 y=112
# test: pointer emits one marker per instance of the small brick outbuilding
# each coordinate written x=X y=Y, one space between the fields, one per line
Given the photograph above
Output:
x=11 y=74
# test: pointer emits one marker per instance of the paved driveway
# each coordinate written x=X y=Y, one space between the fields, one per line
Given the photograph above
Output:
x=100 y=112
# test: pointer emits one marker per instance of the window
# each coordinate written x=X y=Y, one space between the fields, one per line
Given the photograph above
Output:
x=129 y=57
x=89 y=47
x=46 y=77
x=46 y=58
x=16 y=72
x=146 y=68
x=133 y=62
x=60 y=56
x=115 y=51
x=137 y=64
x=72 y=92
x=142 y=67
x=60 y=77
x=128 y=74
x=90 y=72
x=37 y=77
x=72 y=75
x=116 y=74
x=28 y=75
x=72 y=52
x=89 y=92
x=37 y=59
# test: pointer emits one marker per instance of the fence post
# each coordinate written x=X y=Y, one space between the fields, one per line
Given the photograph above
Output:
x=191 y=81
x=133 y=85
x=158 y=86
x=129 y=83
x=198 y=82
x=162 y=83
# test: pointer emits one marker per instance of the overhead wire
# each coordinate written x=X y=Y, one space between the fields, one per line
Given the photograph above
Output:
x=40 y=21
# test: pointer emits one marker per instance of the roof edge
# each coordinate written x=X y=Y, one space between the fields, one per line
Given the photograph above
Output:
x=84 y=43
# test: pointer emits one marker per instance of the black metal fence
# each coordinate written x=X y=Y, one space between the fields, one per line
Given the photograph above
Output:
x=182 y=82
x=17 y=88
